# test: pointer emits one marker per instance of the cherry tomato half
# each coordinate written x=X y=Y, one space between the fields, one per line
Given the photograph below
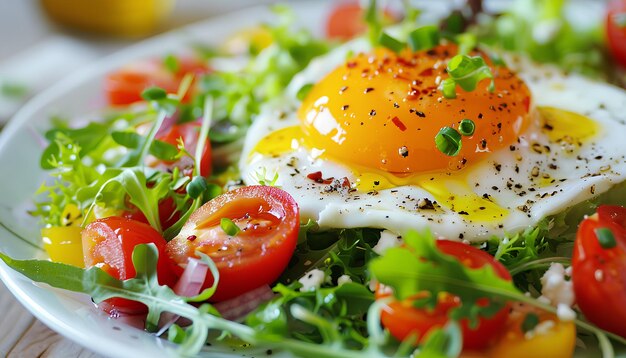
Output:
x=599 y=272
x=347 y=20
x=109 y=243
x=125 y=85
x=268 y=218
x=615 y=31
x=402 y=319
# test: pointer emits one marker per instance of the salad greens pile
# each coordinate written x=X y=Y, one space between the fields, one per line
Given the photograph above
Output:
x=342 y=317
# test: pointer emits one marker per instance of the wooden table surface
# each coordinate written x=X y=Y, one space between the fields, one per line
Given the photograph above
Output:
x=22 y=335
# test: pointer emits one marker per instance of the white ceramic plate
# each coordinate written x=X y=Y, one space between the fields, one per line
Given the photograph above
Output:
x=73 y=315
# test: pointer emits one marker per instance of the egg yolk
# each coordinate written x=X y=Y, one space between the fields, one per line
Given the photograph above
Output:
x=383 y=111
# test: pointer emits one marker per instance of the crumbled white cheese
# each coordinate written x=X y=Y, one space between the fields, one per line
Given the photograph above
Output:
x=598 y=275
x=540 y=329
x=312 y=280
x=343 y=279
x=556 y=286
x=565 y=313
x=388 y=239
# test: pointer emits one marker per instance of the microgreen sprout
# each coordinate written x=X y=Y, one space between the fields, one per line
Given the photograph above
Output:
x=171 y=63
x=153 y=93
x=262 y=178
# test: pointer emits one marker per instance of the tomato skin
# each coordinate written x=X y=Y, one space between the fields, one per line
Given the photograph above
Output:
x=109 y=243
x=616 y=35
x=124 y=86
x=599 y=274
x=346 y=21
x=402 y=319
x=258 y=254
x=189 y=133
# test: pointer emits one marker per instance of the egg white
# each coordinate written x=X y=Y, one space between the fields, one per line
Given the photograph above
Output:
x=509 y=177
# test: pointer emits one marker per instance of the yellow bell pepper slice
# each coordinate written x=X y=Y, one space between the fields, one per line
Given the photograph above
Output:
x=64 y=244
x=556 y=340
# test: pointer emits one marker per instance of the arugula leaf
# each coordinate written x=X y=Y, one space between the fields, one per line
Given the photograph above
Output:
x=421 y=267
x=448 y=341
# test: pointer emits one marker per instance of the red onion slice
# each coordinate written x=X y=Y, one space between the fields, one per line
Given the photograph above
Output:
x=189 y=284
x=238 y=307
x=192 y=279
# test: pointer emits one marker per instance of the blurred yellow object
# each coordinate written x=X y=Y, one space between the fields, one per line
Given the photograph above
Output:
x=249 y=40
x=126 y=18
x=64 y=244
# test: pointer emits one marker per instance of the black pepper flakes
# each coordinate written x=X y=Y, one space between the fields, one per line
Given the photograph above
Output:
x=403 y=151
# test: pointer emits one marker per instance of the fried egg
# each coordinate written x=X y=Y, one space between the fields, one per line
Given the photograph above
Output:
x=359 y=150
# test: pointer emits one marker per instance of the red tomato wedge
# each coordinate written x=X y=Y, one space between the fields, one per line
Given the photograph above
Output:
x=616 y=30
x=402 y=319
x=346 y=21
x=125 y=85
x=599 y=269
x=109 y=243
x=269 y=221
x=189 y=133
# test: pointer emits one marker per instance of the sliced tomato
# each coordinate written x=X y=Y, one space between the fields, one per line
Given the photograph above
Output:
x=347 y=20
x=189 y=133
x=616 y=30
x=402 y=319
x=109 y=243
x=268 y=218
x=125 y=85
x=599 y=272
